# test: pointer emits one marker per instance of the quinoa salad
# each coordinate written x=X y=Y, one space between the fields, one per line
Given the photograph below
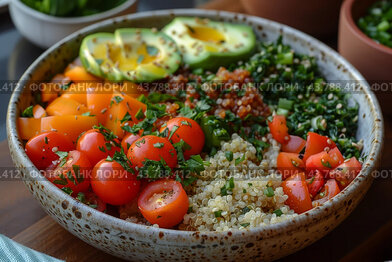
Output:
x=197 y=126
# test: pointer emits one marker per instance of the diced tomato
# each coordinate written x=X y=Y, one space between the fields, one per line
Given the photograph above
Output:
x=289 y=164
x=294 y=145
x=320 y=161
x=336 y=158
x=279 y=129
x=316 y=143
x=346 y=172
x=295 y=187
x=315 y=183
x=330 y=190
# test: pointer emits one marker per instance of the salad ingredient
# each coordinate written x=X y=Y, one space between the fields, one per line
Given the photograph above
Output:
x=163 y=202
x=330 y=190
x=113 y=184
x=128 y=140
x=279 y=129
x=28 y=127
x=207 y=44
x=294 y=145
x=42 y=148
x=289 y=164
x=316 y=143
x=62 y=106
x=346 y=172
x=295 y=187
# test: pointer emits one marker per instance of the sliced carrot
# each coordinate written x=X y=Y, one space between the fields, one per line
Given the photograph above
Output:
x=65 y=106
x=69 y=125
x=28 y=127
x=78 y=74
x=119 y=106
x=39 y=111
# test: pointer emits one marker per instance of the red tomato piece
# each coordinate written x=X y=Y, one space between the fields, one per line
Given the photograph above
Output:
x=98 y=144
x=294 y=145
x=279 y=130
x=189 y=131
x=315 y=183
x=295 y=187
x=336 y=158
x=289 y=164
x=163 y=202
x=72 y=172
x=346 y=172
x=128 y=140
x=331 y=189
x=152 y=148
x=316 y=143
x=113 y=184
x=320 y=161
x=41 y=148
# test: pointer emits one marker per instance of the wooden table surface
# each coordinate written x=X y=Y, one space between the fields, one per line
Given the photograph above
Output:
x=366 y=233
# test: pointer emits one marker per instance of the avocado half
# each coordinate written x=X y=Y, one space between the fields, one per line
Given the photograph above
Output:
x=134 y=54
x=208 y=44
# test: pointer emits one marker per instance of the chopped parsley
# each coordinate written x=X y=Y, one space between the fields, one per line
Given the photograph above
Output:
x=227 y=189
x=269 y=191
x=62 y=157
x=28 y=112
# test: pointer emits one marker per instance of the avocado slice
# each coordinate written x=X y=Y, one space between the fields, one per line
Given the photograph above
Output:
x=208 y=44
x=134 y=54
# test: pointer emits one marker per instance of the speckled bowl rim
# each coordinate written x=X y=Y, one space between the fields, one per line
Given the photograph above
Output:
x=346 y=10
x=73 y=20
x=100 y=218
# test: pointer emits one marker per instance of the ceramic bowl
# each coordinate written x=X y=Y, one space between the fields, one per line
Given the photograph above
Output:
x=316 y=17
x=145 y=243
x=45 y=30
x=372 y=59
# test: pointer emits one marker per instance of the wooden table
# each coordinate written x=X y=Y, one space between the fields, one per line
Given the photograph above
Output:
x=364 y=234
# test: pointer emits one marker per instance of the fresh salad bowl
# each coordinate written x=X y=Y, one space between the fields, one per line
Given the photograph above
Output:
x=142 y=242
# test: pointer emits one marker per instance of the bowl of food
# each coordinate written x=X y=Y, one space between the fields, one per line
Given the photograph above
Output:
x=365 y=28
x=46 y=22
x=195 y=135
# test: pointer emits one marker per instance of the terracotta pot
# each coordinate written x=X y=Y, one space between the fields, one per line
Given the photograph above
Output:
x=146 y=243
x=372 y=59
x=316 y=17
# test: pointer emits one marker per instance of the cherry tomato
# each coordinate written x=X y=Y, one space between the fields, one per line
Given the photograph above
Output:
x=289 y=164
x=331 y=189
x=279 y=129
x=41 y=148
x=113 y=184
x=294 y=145
x=189 y=131
x=320 y=161
x=315 y=183
x=346 y=172
x=152 y=148
x=296 y=189
x=336 y=157
x=94 y=201
x=163 y=202
x=97 y=145
x=316 y=143
x=128 y=140
x=72 y=172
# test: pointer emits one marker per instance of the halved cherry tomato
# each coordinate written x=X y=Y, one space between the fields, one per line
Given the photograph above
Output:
x=41 y=148
x=163 y=202
x=94 y=201
x=113 y=184
x=39 y=111
x=152 y=148
x=346 y=172
x=315 y=183
x=316 y=143
x=320 y=161
x=71 y=126
x=78 y=74
x=336 y=158
x=330 y=190
x=294 y=145
x=65 y=106
x=128 y=140
x=189 y=131
x=279 y=130
x=73 y=172
x=289 y=164
x=97 y=145
x=295 y=187
x=28 y=127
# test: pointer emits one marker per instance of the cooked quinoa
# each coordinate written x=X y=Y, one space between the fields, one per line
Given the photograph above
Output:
x=254 y=197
